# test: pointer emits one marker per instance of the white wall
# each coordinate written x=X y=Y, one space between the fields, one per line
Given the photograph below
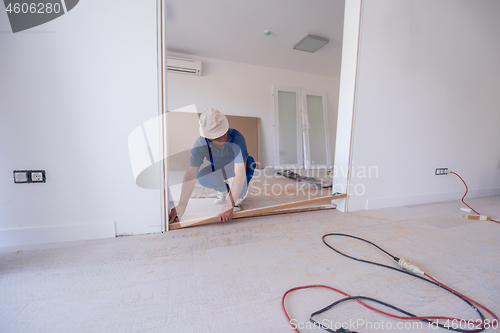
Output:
x=246 y=90
x=427 y=97
x=71 y=91
x=347 y=91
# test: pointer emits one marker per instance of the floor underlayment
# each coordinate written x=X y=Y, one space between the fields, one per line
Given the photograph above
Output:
x=266 y=189
x=231 y=277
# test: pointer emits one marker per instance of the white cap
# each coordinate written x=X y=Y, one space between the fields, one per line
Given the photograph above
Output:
x=213 y=124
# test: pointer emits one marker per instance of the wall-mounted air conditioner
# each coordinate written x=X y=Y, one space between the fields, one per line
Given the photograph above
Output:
x=183 y=66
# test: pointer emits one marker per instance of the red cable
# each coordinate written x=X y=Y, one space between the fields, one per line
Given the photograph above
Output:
x=427 y=275
x=456 y=292
x=306 y=287
x=467 y=191
x=380 y=311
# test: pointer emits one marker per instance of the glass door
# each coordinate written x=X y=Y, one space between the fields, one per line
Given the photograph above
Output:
x=316 y=136
x=287 y=128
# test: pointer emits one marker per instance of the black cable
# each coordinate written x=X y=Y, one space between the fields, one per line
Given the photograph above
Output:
x=361 y=239
x=386 y=304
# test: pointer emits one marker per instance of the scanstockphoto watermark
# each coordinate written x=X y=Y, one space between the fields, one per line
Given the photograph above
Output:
x=355 y=325
x=383 y=326
x=26 y=14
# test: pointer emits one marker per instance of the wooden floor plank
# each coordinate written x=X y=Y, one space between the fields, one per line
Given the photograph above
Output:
x=256 y=211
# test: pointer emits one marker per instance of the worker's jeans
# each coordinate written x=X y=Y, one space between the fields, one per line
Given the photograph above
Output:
x=216 y=180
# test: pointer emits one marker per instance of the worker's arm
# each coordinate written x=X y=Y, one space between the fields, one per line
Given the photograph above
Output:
x=239 y=180
x=187 y=188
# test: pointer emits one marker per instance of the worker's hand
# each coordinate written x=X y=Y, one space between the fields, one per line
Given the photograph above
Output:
x=172 y=217
x=226 y=214
x=176 y=214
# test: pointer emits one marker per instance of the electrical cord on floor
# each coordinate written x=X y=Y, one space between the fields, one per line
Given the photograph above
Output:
x=409 y=269
x=467 y=191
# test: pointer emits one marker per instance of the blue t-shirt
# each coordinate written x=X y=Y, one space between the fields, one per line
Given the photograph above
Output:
x=235 y=149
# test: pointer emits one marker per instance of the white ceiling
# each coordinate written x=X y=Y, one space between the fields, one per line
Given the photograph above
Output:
x=234 y=30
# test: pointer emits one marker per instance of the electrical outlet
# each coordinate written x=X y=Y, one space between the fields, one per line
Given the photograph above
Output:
x=21 y=176
x=29 y=176
x=442 y=171
x=38 y=176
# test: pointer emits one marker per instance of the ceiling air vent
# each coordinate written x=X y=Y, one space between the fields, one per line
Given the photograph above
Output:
x=183 y=66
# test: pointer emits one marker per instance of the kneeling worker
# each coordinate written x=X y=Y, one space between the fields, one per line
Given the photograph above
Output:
x=225 y=148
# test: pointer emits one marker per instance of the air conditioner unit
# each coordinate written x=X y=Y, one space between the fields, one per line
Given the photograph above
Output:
x=183 y=66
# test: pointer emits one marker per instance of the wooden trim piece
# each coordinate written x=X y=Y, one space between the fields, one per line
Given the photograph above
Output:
x=297 y=210
x=163 y=138
x=256 y=211
x=259 y=145
x=477 y=217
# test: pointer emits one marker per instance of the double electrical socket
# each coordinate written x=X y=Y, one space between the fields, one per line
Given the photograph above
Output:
x=29 y=176
x=442 y=171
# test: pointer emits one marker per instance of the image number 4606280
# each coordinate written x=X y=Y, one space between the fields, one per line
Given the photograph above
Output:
x=26 y=14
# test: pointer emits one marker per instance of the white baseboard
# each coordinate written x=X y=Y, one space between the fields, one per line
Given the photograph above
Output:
x=427 y=198
x=55 y=234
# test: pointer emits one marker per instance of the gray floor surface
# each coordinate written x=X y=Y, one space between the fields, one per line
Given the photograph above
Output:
x=231 y=277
